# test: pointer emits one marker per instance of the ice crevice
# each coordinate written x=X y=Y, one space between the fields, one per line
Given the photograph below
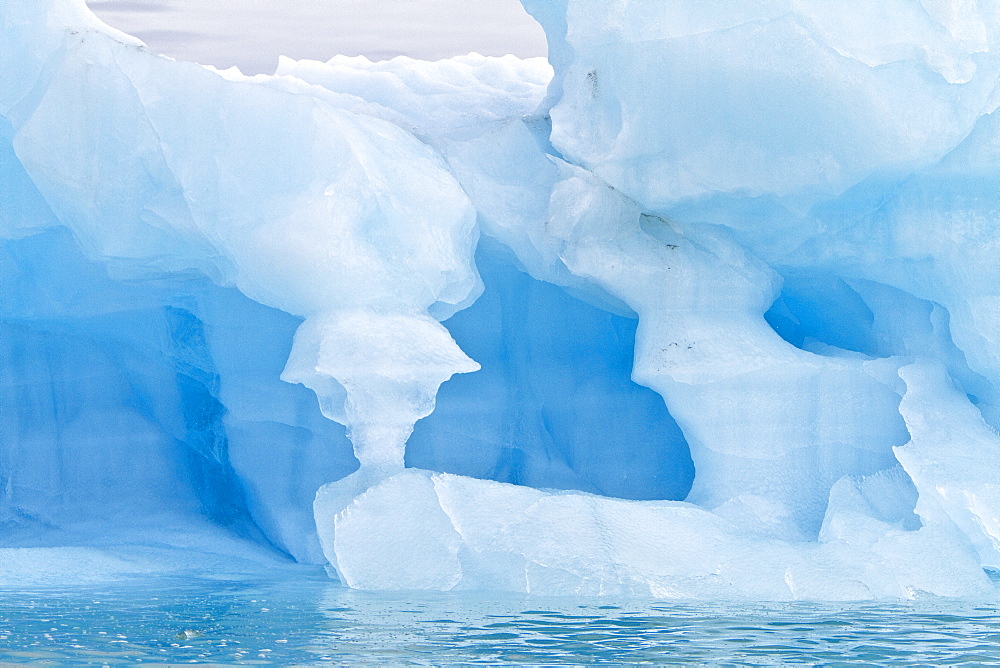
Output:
x=719 y=322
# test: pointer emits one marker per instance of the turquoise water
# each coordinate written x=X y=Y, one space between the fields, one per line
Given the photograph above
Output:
x=314 y=621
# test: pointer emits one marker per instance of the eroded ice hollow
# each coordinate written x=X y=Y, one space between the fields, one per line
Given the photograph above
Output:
x=706 y=308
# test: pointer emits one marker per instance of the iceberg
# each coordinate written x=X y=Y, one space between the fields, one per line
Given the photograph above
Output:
x=704 y=305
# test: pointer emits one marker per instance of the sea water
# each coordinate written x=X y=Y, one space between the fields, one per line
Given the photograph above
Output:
x=315 y=621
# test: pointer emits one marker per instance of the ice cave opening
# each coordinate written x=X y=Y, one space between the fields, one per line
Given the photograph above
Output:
x=554 y=405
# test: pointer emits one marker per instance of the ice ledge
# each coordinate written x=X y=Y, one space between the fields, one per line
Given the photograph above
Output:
x=435 y=531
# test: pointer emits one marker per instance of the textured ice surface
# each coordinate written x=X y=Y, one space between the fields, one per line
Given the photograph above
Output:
x=721 y=296
x=439 y=531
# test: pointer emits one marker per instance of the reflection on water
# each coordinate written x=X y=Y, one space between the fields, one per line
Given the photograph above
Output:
x=315 y=621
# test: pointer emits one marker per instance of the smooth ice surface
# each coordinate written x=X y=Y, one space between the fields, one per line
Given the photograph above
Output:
x=702 y=307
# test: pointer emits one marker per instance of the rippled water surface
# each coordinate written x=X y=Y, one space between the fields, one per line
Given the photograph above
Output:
x=314 y=622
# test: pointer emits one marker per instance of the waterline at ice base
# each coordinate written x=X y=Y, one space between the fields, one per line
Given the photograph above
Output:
x=706 y=305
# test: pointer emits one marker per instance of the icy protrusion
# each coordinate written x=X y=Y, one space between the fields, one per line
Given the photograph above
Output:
x=756 y=412
x=438 y=531
x=953 y=458
x=376 y=546
x=376 y=374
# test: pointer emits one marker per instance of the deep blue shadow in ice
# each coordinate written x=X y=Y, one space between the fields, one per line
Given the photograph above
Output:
x=126 y=400
x=817 y=309
x=112 y=395
x=823 y=308
x=220 y=490
x=553 y=405
x=130 y=400
x=280 y=444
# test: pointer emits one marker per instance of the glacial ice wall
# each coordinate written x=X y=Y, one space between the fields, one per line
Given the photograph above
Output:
x=704 y=306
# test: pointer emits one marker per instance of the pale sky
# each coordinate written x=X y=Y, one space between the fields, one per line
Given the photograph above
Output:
x=253 y=33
